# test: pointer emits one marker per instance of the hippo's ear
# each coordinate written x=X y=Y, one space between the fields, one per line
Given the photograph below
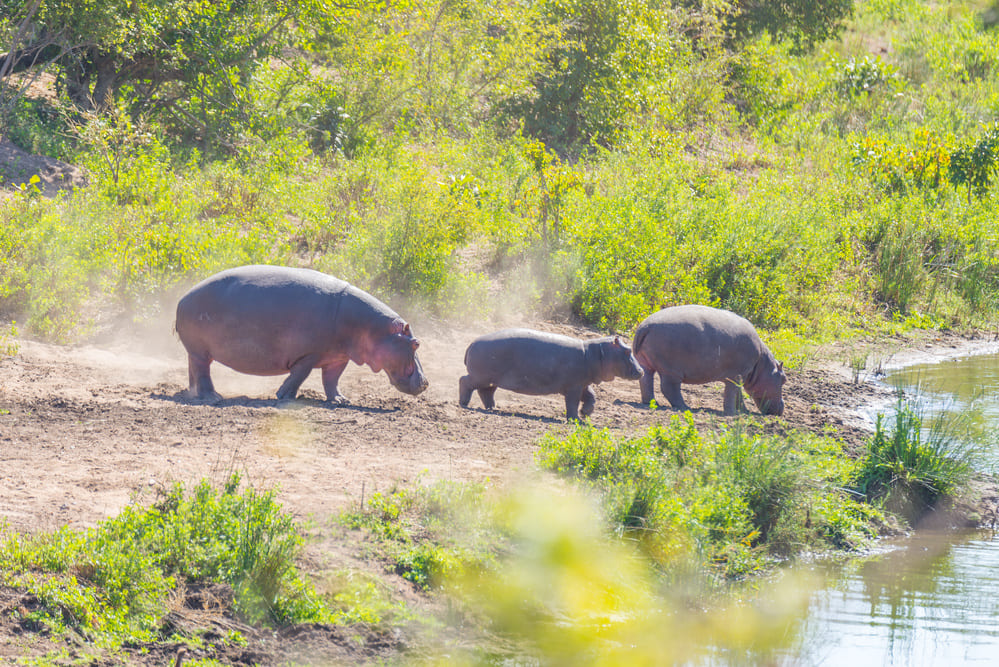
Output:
x=406 y=330
x=617 y=342
x=415 y=343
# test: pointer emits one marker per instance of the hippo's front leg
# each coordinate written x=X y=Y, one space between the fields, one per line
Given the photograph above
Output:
x=733 y=398
x=199 y=377
x=589 y=401
x=572 y=398
x=331 y=380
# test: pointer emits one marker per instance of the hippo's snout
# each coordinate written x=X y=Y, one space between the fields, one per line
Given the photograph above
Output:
x=773 y=407
x=414 y=382
x=636 y=371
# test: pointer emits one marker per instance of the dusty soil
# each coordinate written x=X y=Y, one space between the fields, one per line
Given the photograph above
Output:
x=18 y=166
x=86 y=430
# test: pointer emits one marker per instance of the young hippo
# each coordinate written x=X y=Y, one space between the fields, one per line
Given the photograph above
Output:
x=698 y=344
x=537 y=363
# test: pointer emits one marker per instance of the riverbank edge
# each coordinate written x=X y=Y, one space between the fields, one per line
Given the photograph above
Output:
x=977 y=505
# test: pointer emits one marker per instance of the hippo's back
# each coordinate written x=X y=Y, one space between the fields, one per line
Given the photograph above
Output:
x=257 y=319
x=526 y=361
x=697 y=343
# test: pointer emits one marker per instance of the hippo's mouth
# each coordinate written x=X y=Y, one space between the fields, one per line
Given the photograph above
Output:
x=412 y=381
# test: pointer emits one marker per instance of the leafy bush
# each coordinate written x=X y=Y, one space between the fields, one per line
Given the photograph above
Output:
x=112 y=582
x=865 y=76
x=432 y=535
x=729 y=499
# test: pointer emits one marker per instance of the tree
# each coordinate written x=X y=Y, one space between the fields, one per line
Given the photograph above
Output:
x=803 y=22
x=186 y=58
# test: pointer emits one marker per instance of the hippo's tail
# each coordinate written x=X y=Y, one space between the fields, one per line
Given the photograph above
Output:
x=640 y=335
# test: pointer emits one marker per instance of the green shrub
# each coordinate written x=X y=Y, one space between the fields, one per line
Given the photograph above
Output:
x=112 y=582
x=731 y=500
x=865 y=76
x=432 y=535
x=912 y=468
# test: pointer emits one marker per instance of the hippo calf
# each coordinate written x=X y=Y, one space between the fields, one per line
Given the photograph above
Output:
x=537 y=363
x=272 y=320
x=698 y=344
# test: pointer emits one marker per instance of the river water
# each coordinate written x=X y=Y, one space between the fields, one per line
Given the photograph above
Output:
x=932 y=599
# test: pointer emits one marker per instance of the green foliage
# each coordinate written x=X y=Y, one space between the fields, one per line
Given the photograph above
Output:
x=728 y=500
x=804 y=23
x=974 y=164
x=112 y=583
x=865 y=76
x=187 y=62
x=921 y=164
x=482 y=159
x=596 y=68
x=911 y=467
x=432 y=535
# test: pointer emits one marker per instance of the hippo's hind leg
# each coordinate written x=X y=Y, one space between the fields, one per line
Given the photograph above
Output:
x=465 y=389
x=299 y=372
x=199 y=376
x=671 y=390
x=488 y=397
x=589 y=401
x=331 y=382
x=733 y=398
x=646 y=384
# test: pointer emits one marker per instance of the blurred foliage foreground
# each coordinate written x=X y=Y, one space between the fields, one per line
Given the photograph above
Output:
x=633 y=553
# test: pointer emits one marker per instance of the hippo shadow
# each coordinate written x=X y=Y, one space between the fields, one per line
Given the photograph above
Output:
x=183 y=398
x=519 y=415
x=668 y=409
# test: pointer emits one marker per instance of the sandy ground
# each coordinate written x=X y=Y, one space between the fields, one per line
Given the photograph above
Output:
x=86 y=430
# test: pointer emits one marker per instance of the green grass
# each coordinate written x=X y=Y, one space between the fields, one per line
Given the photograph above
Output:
x=112 y=583
x=730 y=502
x=910 y=466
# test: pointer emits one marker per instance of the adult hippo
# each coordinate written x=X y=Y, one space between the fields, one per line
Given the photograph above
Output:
x=698 y=344
x=537 y=363
x=272 y=320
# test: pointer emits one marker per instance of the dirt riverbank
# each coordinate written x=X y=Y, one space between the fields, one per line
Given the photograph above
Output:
x=85 y=430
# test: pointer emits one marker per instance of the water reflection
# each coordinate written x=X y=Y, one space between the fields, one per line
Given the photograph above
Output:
x=934 y=600
x=965 y=389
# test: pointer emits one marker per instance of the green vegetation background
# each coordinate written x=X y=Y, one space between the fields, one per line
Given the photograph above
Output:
x=478 y=158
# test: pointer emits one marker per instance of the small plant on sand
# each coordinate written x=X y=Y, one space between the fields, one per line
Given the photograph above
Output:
x=431 y=534
x=8 y=341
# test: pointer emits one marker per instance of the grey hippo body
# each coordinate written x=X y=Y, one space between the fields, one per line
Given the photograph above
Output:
x=272 y=320
x=699 y=344
x=537 y=363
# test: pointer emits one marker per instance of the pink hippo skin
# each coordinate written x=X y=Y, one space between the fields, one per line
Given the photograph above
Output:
x=698 y=344
x=538 y=363
x=272 y=320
